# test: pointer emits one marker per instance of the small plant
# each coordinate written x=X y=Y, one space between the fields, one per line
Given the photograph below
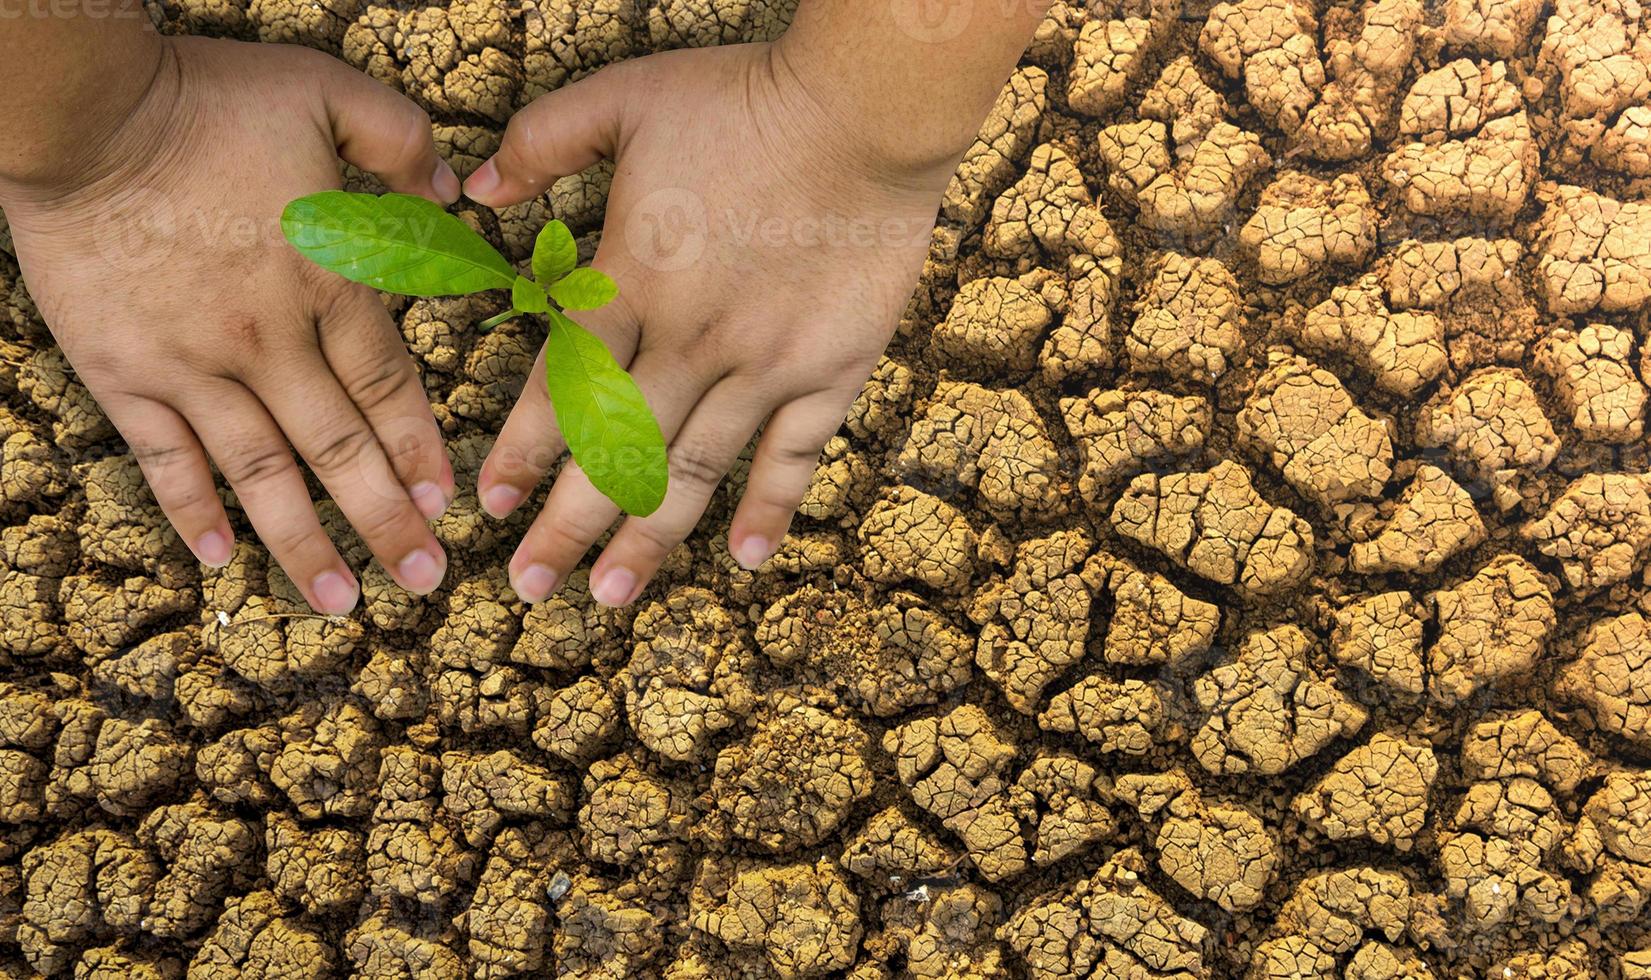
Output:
x=411 y=246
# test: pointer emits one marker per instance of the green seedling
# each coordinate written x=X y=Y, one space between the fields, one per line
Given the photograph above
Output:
x=411 y=246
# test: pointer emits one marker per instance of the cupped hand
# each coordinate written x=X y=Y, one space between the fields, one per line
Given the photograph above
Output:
x=763 y=262
x=158 y=264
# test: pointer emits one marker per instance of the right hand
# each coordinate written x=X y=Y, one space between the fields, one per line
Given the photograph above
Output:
x=736 y=332
x=156 y=259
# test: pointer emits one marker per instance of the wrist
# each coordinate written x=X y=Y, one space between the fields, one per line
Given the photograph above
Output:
x=864 y=130
x=81 y=141
x=907 y=94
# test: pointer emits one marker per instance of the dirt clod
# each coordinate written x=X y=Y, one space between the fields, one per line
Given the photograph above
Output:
x=1214 y=523
x=1267 y=709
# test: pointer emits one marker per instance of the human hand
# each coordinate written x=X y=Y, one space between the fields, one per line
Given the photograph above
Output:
x=157 y=261
x=764 y=257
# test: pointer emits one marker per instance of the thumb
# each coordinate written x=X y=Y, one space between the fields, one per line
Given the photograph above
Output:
x=560 y=133
x=382 y=132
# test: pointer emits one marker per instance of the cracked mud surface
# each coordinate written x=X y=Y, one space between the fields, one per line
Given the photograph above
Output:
x=1240 y=565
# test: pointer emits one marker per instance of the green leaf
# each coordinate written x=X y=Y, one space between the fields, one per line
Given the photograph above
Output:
x=609 y=428
x=397 y=243
x=583 y=289
x=527 y=296
x=554 y=253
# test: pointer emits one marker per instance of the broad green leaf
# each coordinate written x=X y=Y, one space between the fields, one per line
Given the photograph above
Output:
x=397 y=243
x=604 y=418
x=527 y=296
x=583 y=289
x=554 y=253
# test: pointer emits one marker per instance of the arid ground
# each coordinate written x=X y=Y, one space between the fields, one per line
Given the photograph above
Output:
x=1237 y=566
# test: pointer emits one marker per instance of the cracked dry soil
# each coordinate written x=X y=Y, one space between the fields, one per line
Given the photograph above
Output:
x=1237 y=567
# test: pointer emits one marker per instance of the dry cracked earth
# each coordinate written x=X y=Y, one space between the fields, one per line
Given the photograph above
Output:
x=1237 y=567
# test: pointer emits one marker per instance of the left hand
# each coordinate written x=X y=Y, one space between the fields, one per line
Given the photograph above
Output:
x=156 y=261
x=764 y=253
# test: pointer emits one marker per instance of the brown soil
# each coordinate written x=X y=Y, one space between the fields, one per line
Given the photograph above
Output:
x=1237 y=567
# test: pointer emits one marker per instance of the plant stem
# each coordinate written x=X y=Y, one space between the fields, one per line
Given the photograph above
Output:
x=491 y=322
x=272 y=617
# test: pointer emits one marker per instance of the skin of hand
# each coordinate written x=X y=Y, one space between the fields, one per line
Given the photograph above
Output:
x=155 y=256
x=765 y=237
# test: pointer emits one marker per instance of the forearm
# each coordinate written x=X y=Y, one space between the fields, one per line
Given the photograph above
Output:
x=72 y=72
x=917 y=76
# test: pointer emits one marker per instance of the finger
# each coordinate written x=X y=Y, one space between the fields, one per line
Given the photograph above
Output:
x=331 y=435
x=574 y=516
x=253 y=457
x=575 y=512
x=381 y=131
x=175 y=466
x=558 y=134
x=781 y=471
x=529 y=444
x=369 y=359
x=701 y=454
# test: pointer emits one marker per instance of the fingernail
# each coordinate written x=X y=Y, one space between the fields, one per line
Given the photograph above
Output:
x=334 y=594
x=484 y=181
x=499 y=501
x=446 y=182
x=429 y=500
x=421 y=571
x=213 y=549
x=613 y=587
x=536 y=583
x=752 y=551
